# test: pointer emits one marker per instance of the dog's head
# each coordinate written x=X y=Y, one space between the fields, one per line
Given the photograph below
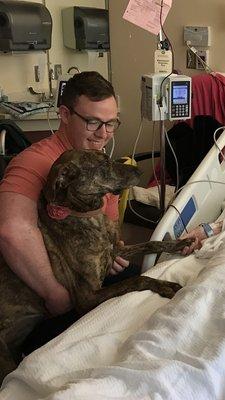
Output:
x=80 y=178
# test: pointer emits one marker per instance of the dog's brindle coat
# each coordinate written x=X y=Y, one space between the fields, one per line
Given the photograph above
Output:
x=81 y=246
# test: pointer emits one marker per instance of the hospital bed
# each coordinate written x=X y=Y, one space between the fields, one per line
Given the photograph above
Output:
x=199 y=201
x=141 y=346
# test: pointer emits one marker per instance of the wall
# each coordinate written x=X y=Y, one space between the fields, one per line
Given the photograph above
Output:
x=133 y=52
x=132 y=55
x=17 y=70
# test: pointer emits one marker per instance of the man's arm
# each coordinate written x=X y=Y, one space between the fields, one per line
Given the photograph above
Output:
x=22 y=246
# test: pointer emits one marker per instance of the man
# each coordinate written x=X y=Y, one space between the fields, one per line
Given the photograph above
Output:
x=88 y=120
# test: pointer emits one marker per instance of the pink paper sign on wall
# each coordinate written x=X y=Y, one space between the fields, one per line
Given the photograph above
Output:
x=146 y=13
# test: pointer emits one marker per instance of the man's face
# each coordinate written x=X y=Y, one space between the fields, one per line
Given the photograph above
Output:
x=76 y=128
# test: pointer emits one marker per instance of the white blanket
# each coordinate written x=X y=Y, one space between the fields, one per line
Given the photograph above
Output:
x=138 y=346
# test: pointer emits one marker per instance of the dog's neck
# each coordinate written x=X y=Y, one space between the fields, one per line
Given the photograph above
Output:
x=61 y=212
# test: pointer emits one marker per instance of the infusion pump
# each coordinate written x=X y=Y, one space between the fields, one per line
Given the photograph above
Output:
x=166 y=97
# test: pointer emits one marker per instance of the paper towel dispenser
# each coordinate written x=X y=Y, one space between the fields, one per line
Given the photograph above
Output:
x=24 y=26
x=85 y=28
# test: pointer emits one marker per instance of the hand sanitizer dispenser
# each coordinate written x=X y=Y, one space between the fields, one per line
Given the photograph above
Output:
x=24 y=26
x=85 y=28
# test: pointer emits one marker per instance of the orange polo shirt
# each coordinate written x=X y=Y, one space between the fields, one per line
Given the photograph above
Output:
x=26 y=173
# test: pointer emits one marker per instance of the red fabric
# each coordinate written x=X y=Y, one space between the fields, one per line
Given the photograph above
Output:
x=208 y=96
x=153 y=182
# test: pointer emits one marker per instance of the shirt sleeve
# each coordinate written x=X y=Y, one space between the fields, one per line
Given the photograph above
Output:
x=26 y=174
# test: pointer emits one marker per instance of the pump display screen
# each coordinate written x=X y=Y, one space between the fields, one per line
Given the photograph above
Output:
x=180 y=93
x=62 y=85
x=180 y=101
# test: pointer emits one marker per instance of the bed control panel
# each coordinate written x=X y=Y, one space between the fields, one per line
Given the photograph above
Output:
x=185 y=216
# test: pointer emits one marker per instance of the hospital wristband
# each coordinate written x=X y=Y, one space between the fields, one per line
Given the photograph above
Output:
x=207 y=229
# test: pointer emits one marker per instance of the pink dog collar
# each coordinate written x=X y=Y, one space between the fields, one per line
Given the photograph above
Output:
x=58 y=212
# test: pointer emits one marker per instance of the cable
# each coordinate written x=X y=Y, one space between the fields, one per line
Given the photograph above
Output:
x=178 y=212
x=176 y=161
x=207 y=68
x=137 y=140
x=141 y=216
x=172 y=51
x=132 y=159
x=112 y=148
x=48 y=118
x=153 y=158
x=190 y=183
x=173 y=206
x=216 y=144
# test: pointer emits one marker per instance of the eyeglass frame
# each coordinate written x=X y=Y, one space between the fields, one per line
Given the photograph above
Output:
x=101 y=123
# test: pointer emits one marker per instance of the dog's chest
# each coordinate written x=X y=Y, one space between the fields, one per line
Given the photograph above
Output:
x=82 y=244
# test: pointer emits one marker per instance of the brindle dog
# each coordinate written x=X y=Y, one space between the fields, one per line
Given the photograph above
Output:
x=81 y=243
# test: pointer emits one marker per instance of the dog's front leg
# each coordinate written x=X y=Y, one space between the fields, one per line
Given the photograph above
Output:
x=137 y=283
x=169 y=246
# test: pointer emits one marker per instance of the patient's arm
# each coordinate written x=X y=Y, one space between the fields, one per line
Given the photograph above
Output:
x=198 y=234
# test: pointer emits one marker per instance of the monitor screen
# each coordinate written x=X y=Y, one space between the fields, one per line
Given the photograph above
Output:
x=61 y=87
x=180 y=93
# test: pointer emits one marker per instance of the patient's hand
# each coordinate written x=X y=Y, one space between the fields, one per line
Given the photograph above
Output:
x=197 y=235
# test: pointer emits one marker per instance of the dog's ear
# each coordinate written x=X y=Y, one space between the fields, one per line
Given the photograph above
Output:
x=59 y=179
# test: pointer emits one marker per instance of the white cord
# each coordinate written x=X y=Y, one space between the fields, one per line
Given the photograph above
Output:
x=176 y=161
x=113 y=147
x=48 y=118
x=195 y=52
x=190 y=183
x=2 y=142
x=137 y=140
x=216 y=144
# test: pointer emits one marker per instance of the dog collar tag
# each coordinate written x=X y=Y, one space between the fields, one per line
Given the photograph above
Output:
x=58 y=212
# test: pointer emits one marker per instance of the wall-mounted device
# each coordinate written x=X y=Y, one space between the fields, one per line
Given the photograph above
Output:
x=24 y=26
x=197 y=35
x=85 y=28
x=166 y=97
x=62 y=81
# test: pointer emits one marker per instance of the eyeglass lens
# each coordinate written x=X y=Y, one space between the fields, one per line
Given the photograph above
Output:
x=109 y=126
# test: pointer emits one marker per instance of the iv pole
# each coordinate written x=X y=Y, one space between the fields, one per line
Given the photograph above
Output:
x=162 y=167
x=162 y=190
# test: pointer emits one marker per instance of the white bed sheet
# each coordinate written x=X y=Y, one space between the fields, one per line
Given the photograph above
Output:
x=139 y=346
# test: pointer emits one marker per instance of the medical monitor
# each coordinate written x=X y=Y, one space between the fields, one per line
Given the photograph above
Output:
x=62 y=81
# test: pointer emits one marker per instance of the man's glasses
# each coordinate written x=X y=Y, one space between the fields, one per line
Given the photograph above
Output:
x=95 y=124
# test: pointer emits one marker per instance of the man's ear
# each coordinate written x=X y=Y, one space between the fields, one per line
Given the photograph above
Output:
x=64 y=113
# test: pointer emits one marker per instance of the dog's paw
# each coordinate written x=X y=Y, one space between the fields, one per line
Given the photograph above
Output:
x=168 y=289
x=182 y=243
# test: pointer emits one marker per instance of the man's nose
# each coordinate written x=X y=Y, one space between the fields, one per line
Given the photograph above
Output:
x=101 y=132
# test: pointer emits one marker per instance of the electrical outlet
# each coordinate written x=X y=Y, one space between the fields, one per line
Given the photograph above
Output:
x=191 y=60
x=57 y=71
x=204 y=55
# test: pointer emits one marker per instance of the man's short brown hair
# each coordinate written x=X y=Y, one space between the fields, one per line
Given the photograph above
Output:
x=88 y=83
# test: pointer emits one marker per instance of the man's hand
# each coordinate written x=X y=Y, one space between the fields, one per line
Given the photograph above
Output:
x=119 y=264
x=58 y=302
